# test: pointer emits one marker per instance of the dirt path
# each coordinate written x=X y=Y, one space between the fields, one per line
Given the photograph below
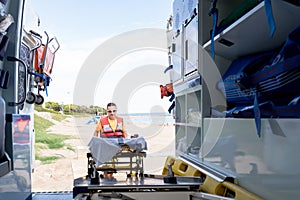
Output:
x=59 y=175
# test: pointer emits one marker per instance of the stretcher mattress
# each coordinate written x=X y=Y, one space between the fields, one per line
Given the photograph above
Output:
x=103 y=149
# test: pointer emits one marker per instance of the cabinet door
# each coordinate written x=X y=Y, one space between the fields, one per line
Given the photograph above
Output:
x=181 y=140
x=180 y=109
x=191 y=47
x=193 y=136
x=193 y=108
x=177 y=57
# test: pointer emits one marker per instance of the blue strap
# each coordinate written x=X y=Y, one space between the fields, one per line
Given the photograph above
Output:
x=283 y=111
x=266 y=109
x=168 y=68
x=46 y=79
x=172 y=97
x=43 y=76
x=270 y=18
x=257 y=115
x=288 y=64
x=212 y=44
x=171 y=107
x=213 y=11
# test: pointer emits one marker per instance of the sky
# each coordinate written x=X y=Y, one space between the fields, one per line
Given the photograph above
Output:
x=90 y=30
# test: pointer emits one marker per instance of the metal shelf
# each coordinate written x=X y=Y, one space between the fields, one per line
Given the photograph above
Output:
x=250 y=33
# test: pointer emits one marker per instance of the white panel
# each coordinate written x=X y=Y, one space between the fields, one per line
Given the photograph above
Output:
x=267 y=165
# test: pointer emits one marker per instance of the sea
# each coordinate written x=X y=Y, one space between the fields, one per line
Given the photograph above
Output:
x=148 y=118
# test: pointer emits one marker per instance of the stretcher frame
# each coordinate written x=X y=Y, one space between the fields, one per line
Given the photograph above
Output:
x=126 y=159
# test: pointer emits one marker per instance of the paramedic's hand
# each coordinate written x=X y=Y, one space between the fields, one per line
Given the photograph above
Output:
x=96 y=133
x=124 y=135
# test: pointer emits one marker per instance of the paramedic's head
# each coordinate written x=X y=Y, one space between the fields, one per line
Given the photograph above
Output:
x=111 y=110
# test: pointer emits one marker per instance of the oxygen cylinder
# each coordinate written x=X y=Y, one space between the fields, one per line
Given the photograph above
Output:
x=2 y=126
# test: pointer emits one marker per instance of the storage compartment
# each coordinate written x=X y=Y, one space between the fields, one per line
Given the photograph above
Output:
x=246 y=38
x=191 y=47
x=177 y=57
x=180 y=109
x=193 y=108
x=194 y=140
x=188 y=119
x=264 y=164
x=178 y=15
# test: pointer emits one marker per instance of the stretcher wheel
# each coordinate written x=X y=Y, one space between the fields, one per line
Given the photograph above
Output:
x=30 y=98
x=39 y=99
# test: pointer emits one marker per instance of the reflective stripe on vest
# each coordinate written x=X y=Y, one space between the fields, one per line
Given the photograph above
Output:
x=108 y=131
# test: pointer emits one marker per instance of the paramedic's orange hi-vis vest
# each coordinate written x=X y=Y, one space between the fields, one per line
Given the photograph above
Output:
x=108 y=131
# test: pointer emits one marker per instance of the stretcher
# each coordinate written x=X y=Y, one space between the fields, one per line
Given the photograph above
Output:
x=126 y=160
x=119 y=154
x=110 y=155
x=34 y=69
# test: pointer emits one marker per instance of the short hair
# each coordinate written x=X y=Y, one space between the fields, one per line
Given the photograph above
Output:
x=111 y=104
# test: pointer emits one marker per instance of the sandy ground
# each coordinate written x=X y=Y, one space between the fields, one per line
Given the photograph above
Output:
x=59 y=175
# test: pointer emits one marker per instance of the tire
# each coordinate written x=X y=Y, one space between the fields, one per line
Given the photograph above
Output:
x=39 y=99
x=30 y=98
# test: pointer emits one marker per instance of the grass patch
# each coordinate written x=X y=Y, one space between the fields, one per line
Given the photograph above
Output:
x=39 y=146
x=58 y=117
x=54 y=141
x=54 y=114
x=44 y=140
x=46 y=159
x=80 y=115
x=41 y=109
x=41 y=125
x=70 y=148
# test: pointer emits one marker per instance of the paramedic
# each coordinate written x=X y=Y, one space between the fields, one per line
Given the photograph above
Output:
x=111 y=125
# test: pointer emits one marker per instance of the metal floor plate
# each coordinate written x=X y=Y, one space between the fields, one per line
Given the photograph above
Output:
x=65 y=195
